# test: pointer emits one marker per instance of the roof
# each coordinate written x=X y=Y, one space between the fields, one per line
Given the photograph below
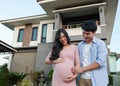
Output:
x=70 y=8
x=11 y=23
x=4 y=47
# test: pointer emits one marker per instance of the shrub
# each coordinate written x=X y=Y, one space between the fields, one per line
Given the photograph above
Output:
x=110 y=79
x=10 y=78
x=4 y=75
x=15 y=77
x=50 y=75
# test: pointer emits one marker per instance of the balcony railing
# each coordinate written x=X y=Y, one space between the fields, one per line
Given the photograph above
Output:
x=72 y=26
x=75 y=31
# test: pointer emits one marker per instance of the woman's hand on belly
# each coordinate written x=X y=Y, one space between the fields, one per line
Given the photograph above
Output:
x=59 y=60
x=70 y=78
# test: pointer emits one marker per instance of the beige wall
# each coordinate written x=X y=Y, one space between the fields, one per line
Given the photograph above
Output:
x=15 y=36
x=28 y=33
x=23 y=61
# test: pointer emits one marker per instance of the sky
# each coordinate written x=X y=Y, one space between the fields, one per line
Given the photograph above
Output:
x=11 y=9
x=15 y=9
x=21 y=8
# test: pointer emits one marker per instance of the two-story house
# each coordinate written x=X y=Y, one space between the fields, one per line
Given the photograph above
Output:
x=33 y=35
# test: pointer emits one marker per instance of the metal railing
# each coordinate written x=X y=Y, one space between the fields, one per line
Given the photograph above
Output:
x=71 y=26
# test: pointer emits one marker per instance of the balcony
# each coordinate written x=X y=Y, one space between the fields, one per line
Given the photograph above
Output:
x=75 y=31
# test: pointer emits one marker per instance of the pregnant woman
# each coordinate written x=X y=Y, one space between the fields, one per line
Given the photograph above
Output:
x=64 y=55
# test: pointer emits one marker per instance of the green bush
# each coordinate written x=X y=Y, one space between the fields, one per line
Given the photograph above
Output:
x=110 y=79
x=10 y=78
x=3 y=79
x=50 y=75
x=4 y=75
x=15 y=77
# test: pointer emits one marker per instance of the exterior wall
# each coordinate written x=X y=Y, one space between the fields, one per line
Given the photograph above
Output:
x=10 y=61
x=35 y=43
x=42 y=52
x=118 y=65
x=15 y=37
x=112 y=63
x=49 y=33
x=23 y=61
x=58 y=21
x=76 y=33
x=27 y=35
x=116 y=80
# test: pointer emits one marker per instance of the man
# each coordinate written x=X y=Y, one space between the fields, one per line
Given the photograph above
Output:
x=93 y=53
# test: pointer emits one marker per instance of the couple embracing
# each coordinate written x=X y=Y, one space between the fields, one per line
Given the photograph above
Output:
x=86 y=62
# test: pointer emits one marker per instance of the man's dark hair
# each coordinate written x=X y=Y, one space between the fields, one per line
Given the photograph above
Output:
x=89 y=26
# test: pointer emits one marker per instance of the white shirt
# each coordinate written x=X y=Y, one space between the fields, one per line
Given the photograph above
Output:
x=86 y=51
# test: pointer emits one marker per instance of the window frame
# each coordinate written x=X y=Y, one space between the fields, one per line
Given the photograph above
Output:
x=43 y=38
x=19 y=34
x=34 y=35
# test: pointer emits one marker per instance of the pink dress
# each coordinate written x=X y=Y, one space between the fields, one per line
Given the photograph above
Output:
x=62 y=70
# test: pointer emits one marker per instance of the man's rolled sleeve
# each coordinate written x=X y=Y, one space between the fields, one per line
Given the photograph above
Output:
x=102 y=54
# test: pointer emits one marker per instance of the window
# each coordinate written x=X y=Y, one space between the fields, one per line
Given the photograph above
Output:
x=44 y=32
x=34 y=33
x=20 y=36
x=53 y=26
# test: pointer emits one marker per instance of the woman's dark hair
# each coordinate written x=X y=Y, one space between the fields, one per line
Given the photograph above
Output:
x=57 y=46
x=89 y=26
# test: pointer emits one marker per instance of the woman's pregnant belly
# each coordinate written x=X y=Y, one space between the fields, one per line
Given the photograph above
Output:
x=63 y=70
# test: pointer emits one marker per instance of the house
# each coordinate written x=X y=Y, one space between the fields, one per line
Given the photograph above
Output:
x=114 y=62
x=33 y=35
x=114 y=66
x=5 y=48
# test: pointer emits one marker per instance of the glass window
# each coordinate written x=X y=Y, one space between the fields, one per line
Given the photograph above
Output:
x=44 y=32
x=20 y=36
x=34 y=33
x=53 y=26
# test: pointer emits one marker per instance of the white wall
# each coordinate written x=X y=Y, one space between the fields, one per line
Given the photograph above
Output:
x=118 y=65
x=112 y=63
x=35 y=43
x=78 y=31
x=49 y=30
x=15 y=36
